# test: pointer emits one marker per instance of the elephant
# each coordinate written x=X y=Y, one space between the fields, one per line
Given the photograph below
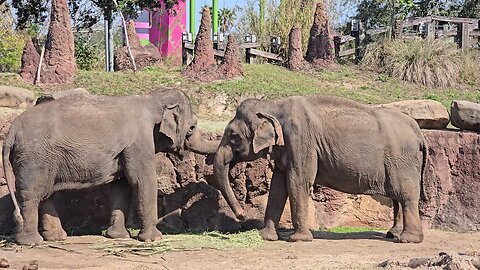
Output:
x=82 y=141
x=328 y=141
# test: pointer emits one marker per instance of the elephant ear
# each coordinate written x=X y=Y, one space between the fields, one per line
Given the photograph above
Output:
x=268 y=133
x=169 y=124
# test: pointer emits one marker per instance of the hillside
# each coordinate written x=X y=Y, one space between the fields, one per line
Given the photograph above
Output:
x=215 y=101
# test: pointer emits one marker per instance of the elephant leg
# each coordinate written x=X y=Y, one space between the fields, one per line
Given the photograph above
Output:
x=277 y=198
x=412 y=228
x=51 y=225
x=397 y=228
x=121 y=196
x=299 y=178
x=28 y=233
x=141 y=175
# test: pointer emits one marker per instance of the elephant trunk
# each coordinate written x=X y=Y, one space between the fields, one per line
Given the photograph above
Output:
x=221 y=165
x=199 y=145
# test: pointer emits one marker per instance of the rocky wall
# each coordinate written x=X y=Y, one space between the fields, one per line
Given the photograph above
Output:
x=452 y=189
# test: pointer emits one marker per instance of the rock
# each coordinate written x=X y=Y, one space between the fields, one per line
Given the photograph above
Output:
x=133 y=39
x=30 y=61
x=466 y=115
x=32 y=265
x=203 y=67
x=429 y=114
x=451 y=185
x=295 y=61
x=16 y=97
x=59 y=66
x=451 y=261
x=231 y=66
x=145 y=56
x=4 y=263
x=320 y=45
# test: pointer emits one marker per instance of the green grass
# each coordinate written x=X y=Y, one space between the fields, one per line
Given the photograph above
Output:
x=183 y=242
x=347 y=229
x=263 y=81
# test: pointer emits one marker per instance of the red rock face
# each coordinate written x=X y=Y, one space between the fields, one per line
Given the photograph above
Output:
x=59 y=63
x=295 y=61
x=30 y=60
x=452 y=181
x=203 y=66
x=231 y=66
x=320 y=45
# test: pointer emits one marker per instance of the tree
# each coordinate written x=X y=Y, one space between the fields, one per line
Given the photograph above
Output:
x=227 y=18
x=84 y=13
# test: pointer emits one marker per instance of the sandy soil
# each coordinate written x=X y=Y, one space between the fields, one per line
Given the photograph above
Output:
x=328 y=251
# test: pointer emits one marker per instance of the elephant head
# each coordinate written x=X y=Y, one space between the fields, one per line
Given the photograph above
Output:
x=176 y=124
x=246 y=137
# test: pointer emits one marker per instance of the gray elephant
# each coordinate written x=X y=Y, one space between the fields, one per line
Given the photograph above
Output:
x=83 y=141
x=328 y=141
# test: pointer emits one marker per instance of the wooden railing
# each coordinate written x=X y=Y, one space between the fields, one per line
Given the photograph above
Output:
x=466 y=33
x=250 y=49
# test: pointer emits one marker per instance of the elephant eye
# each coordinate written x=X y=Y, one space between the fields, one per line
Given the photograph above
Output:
x=235 y=139
x=190 y=130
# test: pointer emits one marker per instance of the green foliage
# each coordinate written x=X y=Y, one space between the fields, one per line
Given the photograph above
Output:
x=430 y=62
x=86 y=54
x=11 y=48
x=279 y=19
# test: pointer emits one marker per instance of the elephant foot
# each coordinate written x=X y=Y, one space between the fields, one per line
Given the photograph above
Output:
x=301 y=236
x=394 y=233
x=269 y=234
x=54 y=235
x=408 y=237
x=33 y=238
x=149 y=234
x=117 y=232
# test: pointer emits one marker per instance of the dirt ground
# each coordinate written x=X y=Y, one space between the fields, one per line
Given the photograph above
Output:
x=363 y=250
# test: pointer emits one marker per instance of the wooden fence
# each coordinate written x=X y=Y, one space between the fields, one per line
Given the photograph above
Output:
x=250 y=49
x=465 y=32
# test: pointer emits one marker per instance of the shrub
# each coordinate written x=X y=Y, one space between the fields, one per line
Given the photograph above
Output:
x=430 y=62
x=86 y=54
x=470 y=72
x=11 y=49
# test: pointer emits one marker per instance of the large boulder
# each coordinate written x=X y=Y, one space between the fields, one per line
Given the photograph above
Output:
x=16 y=97
x=429 y=114
x=466 y=115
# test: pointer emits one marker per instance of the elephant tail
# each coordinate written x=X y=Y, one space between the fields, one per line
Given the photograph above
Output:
x=424 y=148
x=9 y=176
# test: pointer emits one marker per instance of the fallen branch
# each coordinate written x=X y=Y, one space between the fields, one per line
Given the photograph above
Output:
x=126 y=37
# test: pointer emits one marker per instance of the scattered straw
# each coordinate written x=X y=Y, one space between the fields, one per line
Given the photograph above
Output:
x=182 y=242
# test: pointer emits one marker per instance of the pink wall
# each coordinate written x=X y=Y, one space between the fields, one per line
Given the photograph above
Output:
x=166 y=31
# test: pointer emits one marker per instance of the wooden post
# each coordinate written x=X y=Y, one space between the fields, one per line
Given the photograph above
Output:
x=398 y=32
x=357 y=45
x=336 y=42
x=463 y=36
x=430 y=29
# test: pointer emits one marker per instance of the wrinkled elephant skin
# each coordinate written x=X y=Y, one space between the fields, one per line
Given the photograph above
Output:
x=328 y=141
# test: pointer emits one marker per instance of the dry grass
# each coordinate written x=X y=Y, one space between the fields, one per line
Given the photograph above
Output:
x=429 y=62
x=470 y=72
x=183 y=242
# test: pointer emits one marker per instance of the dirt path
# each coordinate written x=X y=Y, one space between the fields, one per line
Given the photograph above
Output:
x=328 y=251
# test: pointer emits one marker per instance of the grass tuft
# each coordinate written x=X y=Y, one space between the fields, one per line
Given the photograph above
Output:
x=429 y=62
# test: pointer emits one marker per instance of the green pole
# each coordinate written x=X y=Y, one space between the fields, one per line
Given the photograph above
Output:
x=262 y=16
x=192 y=18
x=215 y=16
